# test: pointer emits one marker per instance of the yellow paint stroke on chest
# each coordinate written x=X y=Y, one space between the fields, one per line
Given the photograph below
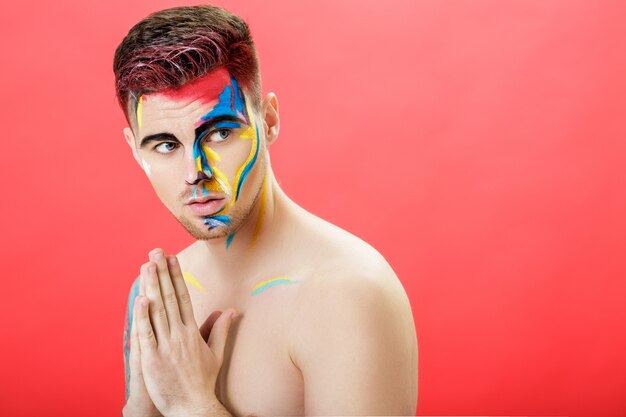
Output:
x=262 y=286
x=193 y=281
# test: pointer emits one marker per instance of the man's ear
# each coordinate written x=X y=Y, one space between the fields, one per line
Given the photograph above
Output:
x=271 y=120
x=130 y=140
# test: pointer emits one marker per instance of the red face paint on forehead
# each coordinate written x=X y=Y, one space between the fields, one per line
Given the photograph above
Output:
x=206 y=88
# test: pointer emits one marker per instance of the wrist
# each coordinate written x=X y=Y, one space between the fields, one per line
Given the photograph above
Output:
x=211 y=408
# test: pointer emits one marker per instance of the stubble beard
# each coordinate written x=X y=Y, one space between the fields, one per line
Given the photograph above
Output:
x=238 y=216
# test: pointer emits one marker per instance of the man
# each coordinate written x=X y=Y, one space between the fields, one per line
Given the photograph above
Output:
x=321 y=326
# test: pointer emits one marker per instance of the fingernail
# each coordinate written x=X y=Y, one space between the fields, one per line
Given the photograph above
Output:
x=234 y=314
x=158 y=255
x=151 y=269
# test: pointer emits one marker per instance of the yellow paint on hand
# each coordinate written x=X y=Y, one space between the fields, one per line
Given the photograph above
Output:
x=193 y=281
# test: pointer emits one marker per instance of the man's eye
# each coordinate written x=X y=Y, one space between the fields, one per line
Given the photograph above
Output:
x=165 y=147
x=219 y=135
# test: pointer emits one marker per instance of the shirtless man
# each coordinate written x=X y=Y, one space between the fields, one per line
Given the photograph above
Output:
x=323 y=325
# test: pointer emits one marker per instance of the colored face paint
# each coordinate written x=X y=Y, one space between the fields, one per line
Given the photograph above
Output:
x=139 y=111
x=230 y=112
x=146 y=166
x=216 y=108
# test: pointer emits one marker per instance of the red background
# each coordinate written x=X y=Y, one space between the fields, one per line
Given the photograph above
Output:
x=479 y=145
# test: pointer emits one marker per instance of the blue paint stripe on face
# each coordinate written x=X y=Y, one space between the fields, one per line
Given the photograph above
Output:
x=227 y=125
x=229 y=239
x=217 y=221
x=198 y=152
x=223 y=219
x=230 y=103
x=248 y=167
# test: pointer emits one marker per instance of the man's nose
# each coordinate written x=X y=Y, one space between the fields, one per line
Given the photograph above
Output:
x=198 y=170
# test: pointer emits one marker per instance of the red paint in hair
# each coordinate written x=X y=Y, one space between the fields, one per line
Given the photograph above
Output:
x=206 y=88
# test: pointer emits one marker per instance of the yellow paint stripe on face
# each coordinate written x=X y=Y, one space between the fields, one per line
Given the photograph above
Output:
x=211 y=155
x=222 y=179
x=139 y=111
x=193 y=281
x=259 y=220
x=249 y=133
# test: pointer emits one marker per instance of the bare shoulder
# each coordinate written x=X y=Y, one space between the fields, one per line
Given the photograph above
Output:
x=353 y=333
x=347 y=265
x=353 y=280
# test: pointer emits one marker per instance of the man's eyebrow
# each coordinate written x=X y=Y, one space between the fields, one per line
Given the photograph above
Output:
x=158 y=137
x=214 y=120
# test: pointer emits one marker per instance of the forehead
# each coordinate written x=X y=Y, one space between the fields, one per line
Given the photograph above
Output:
x=192 y=97
x=204 y=89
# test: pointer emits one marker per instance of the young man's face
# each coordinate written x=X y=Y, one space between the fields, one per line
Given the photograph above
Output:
x=202 y=149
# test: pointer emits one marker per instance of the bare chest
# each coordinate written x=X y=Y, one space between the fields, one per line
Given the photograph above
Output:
x=258 y=375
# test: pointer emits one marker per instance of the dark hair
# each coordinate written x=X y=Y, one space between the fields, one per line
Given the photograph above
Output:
x=172 y=47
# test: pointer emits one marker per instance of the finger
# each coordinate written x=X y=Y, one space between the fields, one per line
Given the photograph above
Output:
x=168 y=294
x=147 y=339
x=219 y=333
x=135 y=358
x=207 y=326
x=182 y=293
x=142 y=285
x=157 y=313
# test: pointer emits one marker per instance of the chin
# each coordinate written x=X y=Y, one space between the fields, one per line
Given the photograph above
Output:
x=196 y=228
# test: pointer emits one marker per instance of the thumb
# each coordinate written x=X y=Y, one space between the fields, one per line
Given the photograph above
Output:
x=219 y=333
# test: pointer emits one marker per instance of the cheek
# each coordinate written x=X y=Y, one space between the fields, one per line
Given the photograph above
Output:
x=146 y=167
x=233 y=157
x=165 y=183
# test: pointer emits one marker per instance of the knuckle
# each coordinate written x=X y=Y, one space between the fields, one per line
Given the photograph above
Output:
x=149 y=333
x=160 y=313
x=185 y=298
x=169 y=298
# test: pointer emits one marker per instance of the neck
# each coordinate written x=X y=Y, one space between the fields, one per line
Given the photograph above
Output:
x=234 y=259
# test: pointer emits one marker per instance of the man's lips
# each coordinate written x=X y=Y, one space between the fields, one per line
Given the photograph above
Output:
x=206 y=205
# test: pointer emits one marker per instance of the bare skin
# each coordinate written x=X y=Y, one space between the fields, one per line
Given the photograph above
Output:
x=339 y=341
